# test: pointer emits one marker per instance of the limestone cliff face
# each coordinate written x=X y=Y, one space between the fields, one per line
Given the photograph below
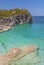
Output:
x=22 y=19
x=17 y=18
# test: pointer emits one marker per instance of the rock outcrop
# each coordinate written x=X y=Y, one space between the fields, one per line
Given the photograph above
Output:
x=16 y=54
x=16 y=18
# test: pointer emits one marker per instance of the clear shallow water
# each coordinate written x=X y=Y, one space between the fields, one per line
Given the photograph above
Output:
x=24 y=35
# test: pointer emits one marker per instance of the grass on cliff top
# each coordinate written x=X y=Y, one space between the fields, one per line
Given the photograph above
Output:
x=15 y=12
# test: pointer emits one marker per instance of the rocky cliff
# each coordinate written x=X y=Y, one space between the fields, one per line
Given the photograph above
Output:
x=10 y=18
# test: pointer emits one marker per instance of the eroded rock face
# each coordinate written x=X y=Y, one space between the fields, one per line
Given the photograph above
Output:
x=8 y=22
x=22 y=18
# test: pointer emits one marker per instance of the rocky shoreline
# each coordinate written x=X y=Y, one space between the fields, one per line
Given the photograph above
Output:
x=17 y=54
x=7 y=23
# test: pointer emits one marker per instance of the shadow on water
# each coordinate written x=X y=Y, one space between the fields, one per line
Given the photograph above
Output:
x=3 y=45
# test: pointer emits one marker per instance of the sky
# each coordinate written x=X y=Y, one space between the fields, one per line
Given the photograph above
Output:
x=36 y=7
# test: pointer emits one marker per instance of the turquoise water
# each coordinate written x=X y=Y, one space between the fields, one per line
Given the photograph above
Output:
x=24 y=35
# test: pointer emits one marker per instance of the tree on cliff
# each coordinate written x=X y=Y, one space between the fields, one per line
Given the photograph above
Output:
x=15 y=12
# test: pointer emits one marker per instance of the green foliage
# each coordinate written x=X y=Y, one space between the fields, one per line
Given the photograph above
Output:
x=12 y=12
